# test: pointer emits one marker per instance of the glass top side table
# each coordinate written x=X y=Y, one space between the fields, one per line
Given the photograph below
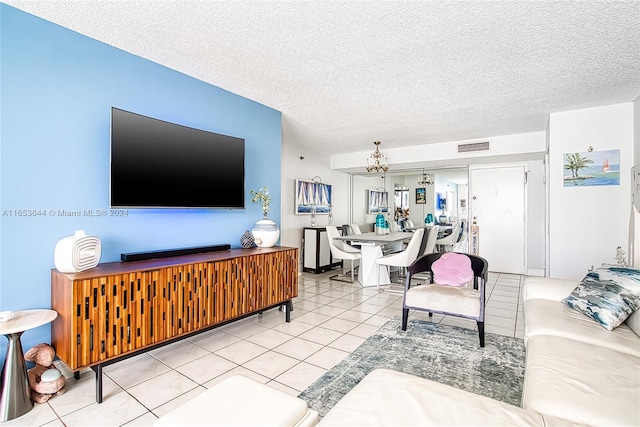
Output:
x=15 y=395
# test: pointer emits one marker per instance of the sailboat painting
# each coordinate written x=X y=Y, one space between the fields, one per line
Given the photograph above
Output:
x=312 y=195
x=592 y=168
x=378 y=202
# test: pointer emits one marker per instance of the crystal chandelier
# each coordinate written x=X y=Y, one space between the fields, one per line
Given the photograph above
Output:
x=425 y=179
x=377 y=158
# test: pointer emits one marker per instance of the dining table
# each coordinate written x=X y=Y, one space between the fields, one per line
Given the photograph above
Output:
x=371 y=245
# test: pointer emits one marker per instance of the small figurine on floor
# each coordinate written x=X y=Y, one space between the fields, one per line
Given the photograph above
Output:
x=620 y=258
x=44 y=379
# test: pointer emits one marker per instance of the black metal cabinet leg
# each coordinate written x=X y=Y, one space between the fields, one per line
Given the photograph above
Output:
x=98 y=370
x=288 y=310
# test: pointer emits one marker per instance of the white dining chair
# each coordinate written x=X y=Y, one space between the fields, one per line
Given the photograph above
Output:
x=401 y=259
x=449 y=240
x=342 y=251
x=432 y=236
x=356 y=229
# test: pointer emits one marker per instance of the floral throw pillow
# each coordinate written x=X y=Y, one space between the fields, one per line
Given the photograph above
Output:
x=608 y=295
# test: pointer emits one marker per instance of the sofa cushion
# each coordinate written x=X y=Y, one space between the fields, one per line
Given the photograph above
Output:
x=444 y=299
x=608 y=295
x=546 y=317
x=547 y=288
x=633 y=322
x=581 y=382
x=240 y=401
x=390 y=398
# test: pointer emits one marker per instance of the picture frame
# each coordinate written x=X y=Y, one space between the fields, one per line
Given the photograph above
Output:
x=591 y=168
x=421 y=196
x=441 y=201
x=377 y=202
x=313 y=194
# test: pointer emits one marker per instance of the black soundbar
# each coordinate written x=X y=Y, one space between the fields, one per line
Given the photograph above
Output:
x=166 y=253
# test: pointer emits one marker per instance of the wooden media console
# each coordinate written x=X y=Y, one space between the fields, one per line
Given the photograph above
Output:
x=119 y=309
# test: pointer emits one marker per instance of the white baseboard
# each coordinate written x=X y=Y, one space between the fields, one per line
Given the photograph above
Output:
x=536 y=272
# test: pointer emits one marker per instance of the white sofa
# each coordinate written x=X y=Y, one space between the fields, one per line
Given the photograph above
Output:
x=577 y=373
x=576 y=369
x=391 y=398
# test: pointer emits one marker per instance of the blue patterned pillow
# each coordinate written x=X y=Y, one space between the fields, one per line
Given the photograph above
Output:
x=608 y=295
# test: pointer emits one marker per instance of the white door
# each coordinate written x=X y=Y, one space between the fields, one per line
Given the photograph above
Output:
x=498 y=205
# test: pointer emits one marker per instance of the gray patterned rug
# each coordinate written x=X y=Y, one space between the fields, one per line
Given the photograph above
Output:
x=443 y=353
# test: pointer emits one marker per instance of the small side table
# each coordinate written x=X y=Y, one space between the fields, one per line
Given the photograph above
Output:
x=15 y=394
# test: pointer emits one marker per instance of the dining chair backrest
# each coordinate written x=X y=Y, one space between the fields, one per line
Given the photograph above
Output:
x=430 y=244
x=346 y=230
x=451 y=238
x=332 y=233
x=423 y=243
x=355 y=228
x=410 y=223
x=463 y=231
x=413 y=248
x=335 y=246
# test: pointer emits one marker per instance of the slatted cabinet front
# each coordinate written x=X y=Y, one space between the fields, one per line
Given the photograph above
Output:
x=119 y=313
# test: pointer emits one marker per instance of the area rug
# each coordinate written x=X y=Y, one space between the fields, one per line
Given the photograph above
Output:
x=443 y=353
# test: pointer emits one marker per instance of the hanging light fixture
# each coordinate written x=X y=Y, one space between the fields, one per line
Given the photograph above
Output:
x=425 y=179
x=377 y=158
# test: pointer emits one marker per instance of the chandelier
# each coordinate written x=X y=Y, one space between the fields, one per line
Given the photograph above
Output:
x=377 y=158
x=425 y=179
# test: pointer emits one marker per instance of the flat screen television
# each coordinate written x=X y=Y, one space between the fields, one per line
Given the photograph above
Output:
x=157 y=164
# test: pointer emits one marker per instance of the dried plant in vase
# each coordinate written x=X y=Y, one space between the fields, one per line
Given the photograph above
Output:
x=265 y=232
x=262 y=195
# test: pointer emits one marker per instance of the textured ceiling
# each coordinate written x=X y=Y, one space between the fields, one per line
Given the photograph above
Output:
x=346 y=73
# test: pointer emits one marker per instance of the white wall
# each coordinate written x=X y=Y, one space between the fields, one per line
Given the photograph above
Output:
x=293 y=167
x=586 y=224
x=505 y=148
x=536 y=208
x=361 y=186
x=636 y=128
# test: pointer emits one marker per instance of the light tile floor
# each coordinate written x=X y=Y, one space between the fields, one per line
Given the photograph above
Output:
x=330 y=320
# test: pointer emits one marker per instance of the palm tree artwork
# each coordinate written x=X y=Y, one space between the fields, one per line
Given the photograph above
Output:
x=592 y=168
x=574 y=162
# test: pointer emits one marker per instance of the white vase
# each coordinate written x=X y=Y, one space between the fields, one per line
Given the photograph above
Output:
x=265 y=233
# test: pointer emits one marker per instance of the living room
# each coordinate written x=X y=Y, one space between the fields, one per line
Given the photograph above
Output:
x=58 y=88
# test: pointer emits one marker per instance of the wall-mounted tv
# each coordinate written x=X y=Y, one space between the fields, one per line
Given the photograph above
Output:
x=157 y=164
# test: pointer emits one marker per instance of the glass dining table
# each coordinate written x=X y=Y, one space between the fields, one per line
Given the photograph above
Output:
x=371 y=245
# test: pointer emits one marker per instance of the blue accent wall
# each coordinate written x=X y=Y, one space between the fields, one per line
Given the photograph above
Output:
x=57 y=90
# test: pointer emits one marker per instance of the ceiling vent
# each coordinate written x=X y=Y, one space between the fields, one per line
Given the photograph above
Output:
x=474 y=146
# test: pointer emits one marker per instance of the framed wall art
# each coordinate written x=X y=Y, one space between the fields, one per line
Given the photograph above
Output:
x=421 y=196
x=378 y=202
x=592 y=168
x=313 y=194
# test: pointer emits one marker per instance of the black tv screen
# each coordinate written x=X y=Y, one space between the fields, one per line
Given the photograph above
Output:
x=157 y=164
